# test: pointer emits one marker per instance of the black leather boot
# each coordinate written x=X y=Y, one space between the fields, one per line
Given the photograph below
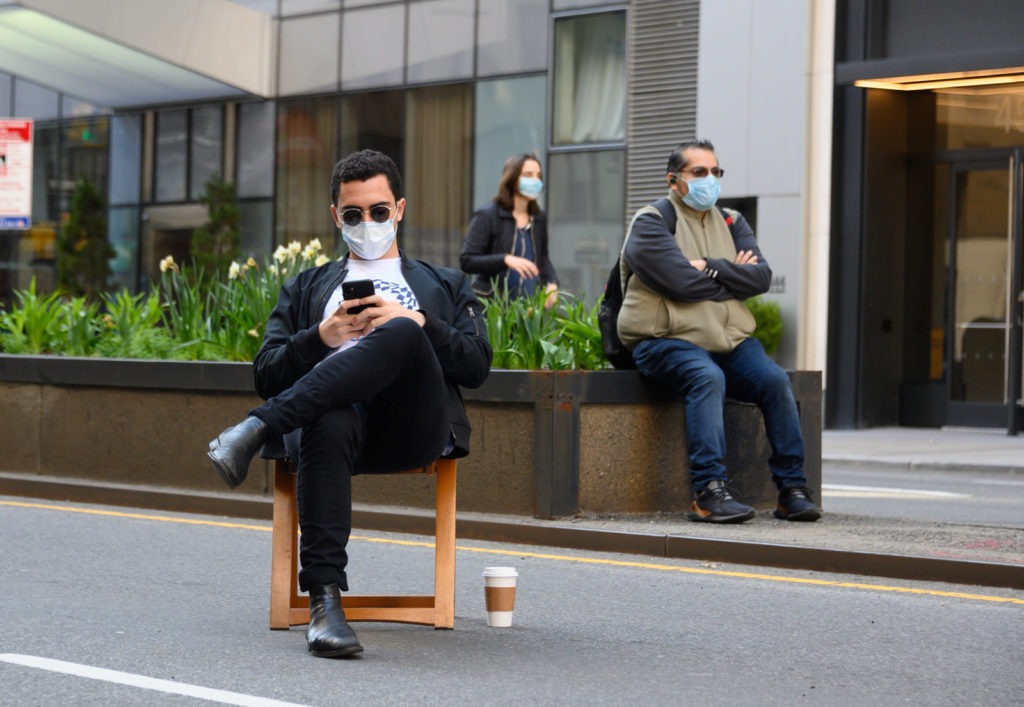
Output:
x=329 y=635
x=235 y=447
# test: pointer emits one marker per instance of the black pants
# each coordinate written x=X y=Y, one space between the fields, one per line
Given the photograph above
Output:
x=377 y=407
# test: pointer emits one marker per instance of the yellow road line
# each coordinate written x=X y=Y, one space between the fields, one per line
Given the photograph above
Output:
x=548 y=556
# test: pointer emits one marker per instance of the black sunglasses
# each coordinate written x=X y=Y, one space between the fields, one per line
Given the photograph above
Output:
x=379 y=213
x=700 y=172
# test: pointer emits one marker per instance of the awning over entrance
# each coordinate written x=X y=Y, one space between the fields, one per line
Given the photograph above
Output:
x=124 y=53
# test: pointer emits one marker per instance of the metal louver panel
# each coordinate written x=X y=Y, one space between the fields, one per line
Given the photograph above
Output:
x=662 y=72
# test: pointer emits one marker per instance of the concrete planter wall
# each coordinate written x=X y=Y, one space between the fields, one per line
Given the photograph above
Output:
x=545 y=443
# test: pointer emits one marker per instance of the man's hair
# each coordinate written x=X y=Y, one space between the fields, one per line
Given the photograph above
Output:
x=677 y=161
x=508 y=184
x=363 y=165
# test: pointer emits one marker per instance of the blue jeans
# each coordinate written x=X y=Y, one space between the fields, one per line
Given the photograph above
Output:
x=705 y=379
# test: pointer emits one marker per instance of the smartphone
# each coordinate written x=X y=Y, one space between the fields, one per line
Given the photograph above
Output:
x=357 y=289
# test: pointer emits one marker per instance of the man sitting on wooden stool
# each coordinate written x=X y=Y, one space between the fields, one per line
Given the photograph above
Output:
x=369 y=391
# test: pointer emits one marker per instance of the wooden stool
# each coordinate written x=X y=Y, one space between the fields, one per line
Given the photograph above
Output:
x=289 y=608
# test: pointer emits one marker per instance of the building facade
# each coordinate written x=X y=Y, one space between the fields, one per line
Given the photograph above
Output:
x=926 y=269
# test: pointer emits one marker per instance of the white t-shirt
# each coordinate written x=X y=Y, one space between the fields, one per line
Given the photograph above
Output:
x=388 y=282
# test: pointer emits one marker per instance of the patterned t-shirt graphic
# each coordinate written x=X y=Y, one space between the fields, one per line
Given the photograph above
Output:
x=388 y=282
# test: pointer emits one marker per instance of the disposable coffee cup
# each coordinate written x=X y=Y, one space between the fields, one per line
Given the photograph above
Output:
x=500 y=592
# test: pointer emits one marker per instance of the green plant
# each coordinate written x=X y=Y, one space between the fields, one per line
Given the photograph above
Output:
x=525 y=335
x=80 y=326
x=768 y=316
x=83 y=263
x=130 y=327
x=32 y=326
x=215 y=243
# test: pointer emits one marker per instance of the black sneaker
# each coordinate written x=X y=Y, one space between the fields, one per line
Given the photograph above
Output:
x=716 y=505
x=796 y=504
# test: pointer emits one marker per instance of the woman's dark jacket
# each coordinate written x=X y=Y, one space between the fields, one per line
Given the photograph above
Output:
x=455 y=326
x=491 y=233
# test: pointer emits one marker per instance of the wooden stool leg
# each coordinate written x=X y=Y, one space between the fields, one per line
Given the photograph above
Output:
x=444 y=546
x=284 y=560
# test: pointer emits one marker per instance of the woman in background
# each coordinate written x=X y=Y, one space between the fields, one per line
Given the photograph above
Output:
x=508 y=238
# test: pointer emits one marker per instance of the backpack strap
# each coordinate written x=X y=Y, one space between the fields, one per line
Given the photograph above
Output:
x=667 y=211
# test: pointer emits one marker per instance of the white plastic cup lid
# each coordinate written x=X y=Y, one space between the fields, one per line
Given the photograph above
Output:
x=500 y=572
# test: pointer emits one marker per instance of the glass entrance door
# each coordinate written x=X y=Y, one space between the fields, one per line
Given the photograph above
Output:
x=983 y=346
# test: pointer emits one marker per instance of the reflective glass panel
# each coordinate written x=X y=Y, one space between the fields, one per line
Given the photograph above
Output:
x=123 y=232
x=509 y=120
x=257 y=236
x=309 y=54
x=512 y=37
x=437 y=172
x=978 y=118
x=307 y=148
x=255 y=172
x=206 y=149
x=586 y=213
x=126 y=158
x=441 y=43
x=170 y=155
x=590 y=79
x=373 y=47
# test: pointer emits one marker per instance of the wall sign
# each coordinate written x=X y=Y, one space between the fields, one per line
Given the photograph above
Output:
x=15 y=173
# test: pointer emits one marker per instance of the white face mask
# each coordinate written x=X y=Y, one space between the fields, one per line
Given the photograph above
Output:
x=369 y=240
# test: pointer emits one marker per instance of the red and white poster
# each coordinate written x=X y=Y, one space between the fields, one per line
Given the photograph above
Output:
x=15 y=173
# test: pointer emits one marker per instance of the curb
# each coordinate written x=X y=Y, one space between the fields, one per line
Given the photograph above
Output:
x=420 y=522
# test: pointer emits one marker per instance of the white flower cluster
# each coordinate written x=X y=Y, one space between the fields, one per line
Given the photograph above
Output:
x=285 y=254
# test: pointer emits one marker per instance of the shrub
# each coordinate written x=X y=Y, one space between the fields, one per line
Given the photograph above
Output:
x=768 y=316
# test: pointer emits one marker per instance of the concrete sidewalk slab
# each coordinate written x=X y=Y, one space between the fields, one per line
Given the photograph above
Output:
x=951 y=449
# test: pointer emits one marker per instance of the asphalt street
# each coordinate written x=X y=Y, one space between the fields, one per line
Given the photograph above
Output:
x=113 y=606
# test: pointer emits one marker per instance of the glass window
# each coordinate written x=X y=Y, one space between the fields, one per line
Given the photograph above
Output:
x=590 y=79
x=33 y=101
x=309 y=58
x=307 y=148
x=45 y=174
x=84 y=155
x=513 y=37
x=301 y=7
x=374 y=120
x=510 y=115
x=170 y=157
x=586 y=213
x=978 y=118
x=438 y=165
x=5 y=94
x=206 y=150
x=123 y=232
x=441 y=45
x=255 y=172
x=373 y=47
x=125 y=158
x=257 y=218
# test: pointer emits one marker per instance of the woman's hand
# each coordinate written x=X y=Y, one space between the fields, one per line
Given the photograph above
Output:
x=552 y=298
x=524 y=267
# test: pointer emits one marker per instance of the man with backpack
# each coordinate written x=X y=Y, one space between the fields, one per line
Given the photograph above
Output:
x=683 y=317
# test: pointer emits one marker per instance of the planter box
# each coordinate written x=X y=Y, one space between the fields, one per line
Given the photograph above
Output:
x=545 y=443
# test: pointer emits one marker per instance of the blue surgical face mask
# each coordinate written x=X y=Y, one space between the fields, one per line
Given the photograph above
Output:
x=530 y=187
x=703 y=192
x=369 y=240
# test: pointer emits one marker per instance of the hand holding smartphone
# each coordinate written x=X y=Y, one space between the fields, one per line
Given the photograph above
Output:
x=357 y=289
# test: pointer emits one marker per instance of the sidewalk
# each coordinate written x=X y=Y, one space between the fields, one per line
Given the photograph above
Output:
x=951 y=449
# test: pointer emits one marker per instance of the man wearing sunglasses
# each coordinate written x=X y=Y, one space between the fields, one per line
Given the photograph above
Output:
x=372 y=391
x=684 y=319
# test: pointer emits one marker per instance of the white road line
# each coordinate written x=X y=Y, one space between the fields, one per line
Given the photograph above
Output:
x=875 y=491
x=146 y=683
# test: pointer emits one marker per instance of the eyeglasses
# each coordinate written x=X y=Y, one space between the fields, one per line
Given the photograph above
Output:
x=700 y=172
x=379 y=213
